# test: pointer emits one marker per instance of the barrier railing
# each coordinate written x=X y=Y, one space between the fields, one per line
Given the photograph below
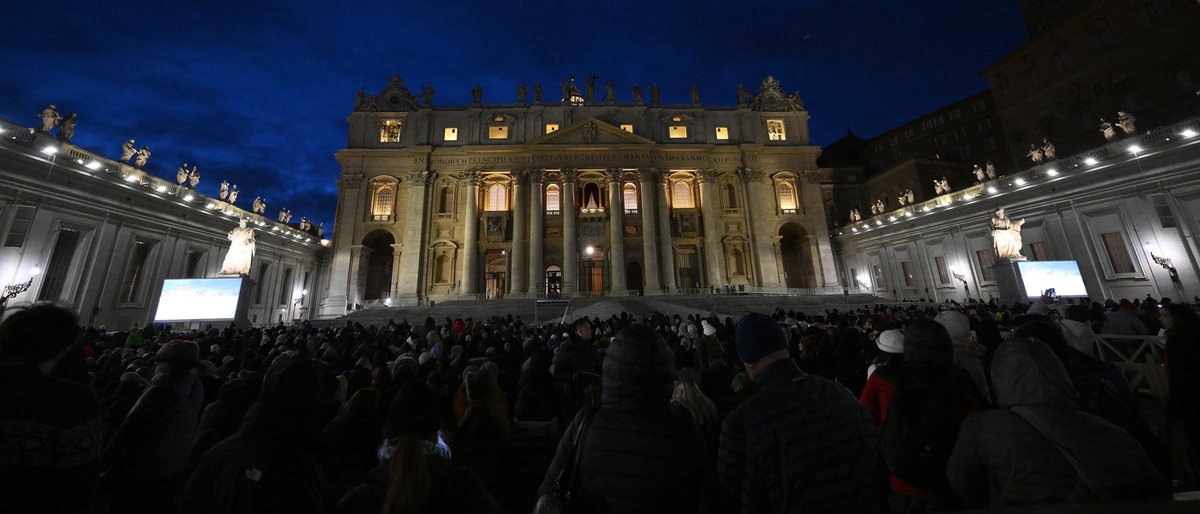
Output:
x=1140 y=357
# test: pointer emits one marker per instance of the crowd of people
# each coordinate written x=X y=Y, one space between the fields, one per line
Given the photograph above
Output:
x=910 y=408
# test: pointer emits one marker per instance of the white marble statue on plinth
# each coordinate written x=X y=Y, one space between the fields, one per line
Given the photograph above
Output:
x=1006 y=236
x=241 y=251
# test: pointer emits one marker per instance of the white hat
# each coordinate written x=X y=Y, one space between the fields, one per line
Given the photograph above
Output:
x=891 y=341
x=708 y=329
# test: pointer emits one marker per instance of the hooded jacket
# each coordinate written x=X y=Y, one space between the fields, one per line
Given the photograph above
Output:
x=485 y=424
x=1080 y=335
x=1003 y=460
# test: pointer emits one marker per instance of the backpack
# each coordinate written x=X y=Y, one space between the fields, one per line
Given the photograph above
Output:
x=918 y=437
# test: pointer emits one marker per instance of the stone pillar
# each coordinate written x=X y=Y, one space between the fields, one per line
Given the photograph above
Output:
x=764 y=240
x=356 y=267
x=616 y=233
x=664 y=232
x=408 y=291
x=570 y=242
x=537 y=234
x=469 y=180
x=517 y=286
x=650 y=264
x=394 y=290
x=710 y=212
x=340 y=290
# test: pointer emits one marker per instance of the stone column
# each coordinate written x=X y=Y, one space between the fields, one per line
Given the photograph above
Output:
x=570 y=242
x=410 y=260
x=356 y=266
x=650 y=264
x=616 y=233
x=537 y=234
x=469 y=180
x=341 y=291
x=710 y=212
x=517 y=285
x=664 y=232
x=764 y=240
x=394 y=290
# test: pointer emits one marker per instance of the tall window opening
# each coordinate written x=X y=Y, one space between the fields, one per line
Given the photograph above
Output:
x=553 y=199
x=389 y=131
x=739 y=263
x=440 y=267
x=730 y=196
x=445 y=199
x=682 y=196
x=775 y=130
x=135 y=271
x=630 y=197
x=262 y=279
x=1118 y=254
x=191 y=269
x=787 y=198
x=22 y=221
x=382 y=208
x=60 y=265
x=285 y=291
x=939 y=262
x=984 y=257
x=497 y=198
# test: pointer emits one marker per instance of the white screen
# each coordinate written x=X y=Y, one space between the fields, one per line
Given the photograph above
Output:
x=214 y=299
x=1063 y=276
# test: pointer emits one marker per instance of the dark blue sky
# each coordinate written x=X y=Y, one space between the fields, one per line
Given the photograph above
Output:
x=258 y=92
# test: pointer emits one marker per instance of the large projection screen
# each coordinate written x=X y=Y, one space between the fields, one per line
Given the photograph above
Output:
x=204 y=299
x=1062 y=276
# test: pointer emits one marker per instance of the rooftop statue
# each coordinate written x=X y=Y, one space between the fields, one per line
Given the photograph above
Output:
x=695 y=95
x=194 y=178
x=655 y=94
x=224 y=190
x=143 y=155
x=127 y=151
x=637 y=94
x=1126 y=122
x=743 y=96
x=1036 y=154
x=521 y=92
x=427 y=94
x=772 y=98
x=181 y=175
x=241 y=251
x=590 y=88
x=1006 y=236
x=991 y=170
x=476 y=94
x=980 y=175
x=67 y=129
x=537 y=92
x=1048 y=150
x=1109 y=130
x=610 y=92
x=50 y=119
x=233 y=192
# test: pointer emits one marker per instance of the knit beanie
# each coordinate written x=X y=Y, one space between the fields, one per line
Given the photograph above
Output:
x=708 y=329
x=758 y=335
x=891 y=341
x=412 y=412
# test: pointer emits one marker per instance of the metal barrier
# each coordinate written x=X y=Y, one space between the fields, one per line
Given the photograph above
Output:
x=1140 y=357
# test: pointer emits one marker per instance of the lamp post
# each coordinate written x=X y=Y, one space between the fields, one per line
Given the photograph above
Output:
x=1164 y=262
x=12 y=290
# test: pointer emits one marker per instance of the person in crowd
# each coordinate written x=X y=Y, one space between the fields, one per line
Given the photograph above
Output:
x=967 y=352
x=1018 y=454
x=148 y=458
x=1182 y=327
x=50 y=428
x=414 y=476
x=688 y=399
x=574 y=369
x=637 y=455
x=1077 y=328
x=802 y=442
x=891 y=351
x=1124 y=321
x=351 y=441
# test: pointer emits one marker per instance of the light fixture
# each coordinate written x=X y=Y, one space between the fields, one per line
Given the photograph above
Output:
x=1020 y=181
x=94 y=165
x=590 y=250
x=188 y=198
x=1090 y=161
x=1135 y=148
x=967 y=197
x=1188 y=133
x=49 y=150
x=34 y=271
x=854 y=229
x=991 y=189
x=1052 y=172
x=1164 y=262
x=303 y=292
x=131 y=177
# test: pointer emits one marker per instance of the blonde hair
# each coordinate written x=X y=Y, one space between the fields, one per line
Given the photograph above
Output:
x=703 y=410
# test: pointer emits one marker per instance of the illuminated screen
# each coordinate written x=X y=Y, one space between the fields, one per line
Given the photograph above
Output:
x=206 y=299
x=1063 y=276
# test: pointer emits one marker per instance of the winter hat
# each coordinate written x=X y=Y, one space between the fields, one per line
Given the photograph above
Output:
x=130 y=376
x=412 y=412
x=425 y=357
x=956 y=324
x=758 y=335
x=214 y=348
x=891 y=341
x=183 y=352
x=708 y=329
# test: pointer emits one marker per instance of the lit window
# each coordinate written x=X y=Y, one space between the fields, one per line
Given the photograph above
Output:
x=722 y=133
x=382 y=207
x=451 y=134
x=551 y=127
x=627 y=127
x=678 y=132
x=683 y=196
x=787 y=197
x=497 y=198
x=497 y=132
x=629 y=195
x=552 y=199
x=775 y=131
x=389 y=131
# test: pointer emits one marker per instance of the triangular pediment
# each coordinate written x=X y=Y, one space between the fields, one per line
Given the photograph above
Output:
x=591 y=131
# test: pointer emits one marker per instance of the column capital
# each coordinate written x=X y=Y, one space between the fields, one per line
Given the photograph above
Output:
x=352 y=180
x=648 y=174
x=419 y=178
x=751 y=174
x=613 y=174
x=469 y=178
x=569 y=174
x=519 y=176
x=708 y=175
x=536 y=174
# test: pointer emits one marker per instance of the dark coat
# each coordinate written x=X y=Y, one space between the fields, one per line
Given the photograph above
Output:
x=155 y=440
x=814 y=431
x=454 y=490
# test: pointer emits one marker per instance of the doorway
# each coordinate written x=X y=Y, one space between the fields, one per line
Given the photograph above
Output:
x=633 y=276
x=797 y=257
x=495 y=265
x=553 y=282
x=378 y=283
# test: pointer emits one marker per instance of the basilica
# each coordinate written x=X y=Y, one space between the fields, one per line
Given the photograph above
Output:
x=576 y=196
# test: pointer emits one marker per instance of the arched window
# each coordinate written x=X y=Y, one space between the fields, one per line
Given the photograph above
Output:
x=739 y=264
x=440 y=266
x=497 y=198
x=553 y=199
x=683 y=196
x=787 y=197
x=591 y=198
x=445 y=197
x=382 y=207
x=731 y=196
x=629 y=195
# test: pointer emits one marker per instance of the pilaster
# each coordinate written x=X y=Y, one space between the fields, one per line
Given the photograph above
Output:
x=650 y=264
x=616 y=233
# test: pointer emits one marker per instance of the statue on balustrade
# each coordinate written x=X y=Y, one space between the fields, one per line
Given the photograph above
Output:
x=874 y=209
x=909 y=194
x=1048 y=150
x=427 y=92
x=902 y=199
x=980 y=176
x=181 y=175
x=233 y=192
x=194 y=178
x=1109 y=130
x=224 y=190
x=537 y=92
x=589 y=88
x=476 y=94
x=521 y=92
x=610 y=92
x=637 y=94
x=1035 y=154
x=881 y=204
x=66 y=130
x=1006 y=236
x=1126 y=122
x=655 y=94
x=695 y=95
x=50 y=119
x=127 y=151
x=304 y=224
x=259 y=206
x=942 y=186
x=321 y=230
x=143 y=155
x=284 y=215
x=855 y=216
x=743 y=96
x=241 y=251
x=991 y=170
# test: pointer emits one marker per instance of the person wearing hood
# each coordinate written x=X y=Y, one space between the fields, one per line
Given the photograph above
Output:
x=1078 y=330
x=967 y=352
x=485 y=425
x=637 y=455
x=1002 y=457
x=1124 y=321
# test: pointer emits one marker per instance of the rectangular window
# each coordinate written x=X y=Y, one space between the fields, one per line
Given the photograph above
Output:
x=960 y=133
x=1118 y=254
x=627 y=127
x=552 y=199
x=389 y=131
x=956 y=115
x=60 y=265
x=984 y=124
x=854 y=278
x=878 y=276
x=1165 y=216
x=895 y=140
x=909 y=280
x=135 y=272
x=192 y=265
x=451 y=134
x=878 y=147
x=1103 y=39
x=775 y=130
x=989 y=143
x=285 y=292
x=262 y=278
x=677 y=132
x=551 y=127
x=939 y=262
x=910 y=133
x=978 y=105
x=722 y=133
x=630 y=198
x=498 y=132
x=1037 y=251
x=1031 y=78
x=22 y=221
x=964 y=152
x=984 y=257
x=1063 y=61
x=1002 y=92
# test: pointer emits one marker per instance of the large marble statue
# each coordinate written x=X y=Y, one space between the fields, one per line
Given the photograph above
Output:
x=610 y=92
x=50 y=119
x=427 y=92
x=224 y=190
x=881 y=204
x=259 y=206
x=284 y=214
x=590 y=88
x=743 y=96
x=1048 y=150
x=980 y=176
x=655 y=94
x=874 y=209
x=942 y=186
x=142 y=156
x=304 y=224
x=911 y=197
x=66 y=130
x=321 y=230
x=902 y=199
x=991 y=170
x=1006 y=236
x=181 y=175
x=695 y=95
x=537 y=92
x=1126 y=122
x=1036 y=155
x=241 y=251
x=194 y=178
x=476 y=94
x=521 y=92
x=1109 y=130
x=855 y=216
x=637 y=94
x=127 y=151
x=233 y=192
x=567 y=89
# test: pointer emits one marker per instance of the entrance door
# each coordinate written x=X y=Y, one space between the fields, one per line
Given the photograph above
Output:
x=689 y=270
x=553 y=282
x=494 y=274
x=378 y=283
x=591 y=274
x=633 y=277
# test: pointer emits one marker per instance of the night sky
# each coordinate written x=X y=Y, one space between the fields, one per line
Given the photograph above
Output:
x=258 y=92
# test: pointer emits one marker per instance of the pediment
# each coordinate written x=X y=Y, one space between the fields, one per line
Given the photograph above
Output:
x=591 y=131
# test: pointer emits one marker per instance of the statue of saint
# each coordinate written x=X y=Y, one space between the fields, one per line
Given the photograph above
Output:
x=881 y=203
x=655 y=94
x=521 y=91
x=50 y=118
x=241 y=251
x=259 y=206
x=304 y=224
x=874 y=210
x=233 y=192
x=321 y=230
x=566 y=87
x=427 y=92
x=910 y=196
x=193 y=178
x=1126 y=122
x=1109 y=130
x=590 y=88
x=610 y=92
x=127 y=151
x=902 y=199
x=1036 y=154
x=1048 y=150
x=979 y=174
x=67 y=129
x=476 y=94
x=743 y=96
x=637 y=94
x=695 y=95
x=537 y=92
x=1006 y=236
x=181 y=175
x=224 y=190
x=945 y=185
x=283 y=215
x=143 y=155
x=360 y=100
x=991 y=170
